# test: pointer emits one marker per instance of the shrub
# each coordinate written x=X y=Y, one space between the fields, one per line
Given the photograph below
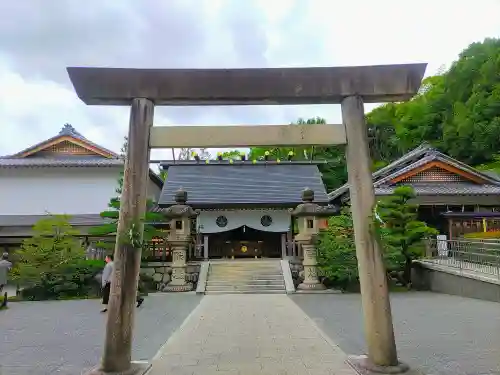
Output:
x=52 y=265
x=76 y=280
x=337 y=252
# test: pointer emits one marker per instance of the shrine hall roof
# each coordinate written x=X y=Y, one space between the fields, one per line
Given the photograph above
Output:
x=243 y=184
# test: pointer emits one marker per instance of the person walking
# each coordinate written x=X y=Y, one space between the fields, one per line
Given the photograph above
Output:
x=107 y=276
x=5 y=266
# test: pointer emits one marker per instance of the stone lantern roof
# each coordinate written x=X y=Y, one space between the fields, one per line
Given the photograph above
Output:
x=308 y=208
x=180 y=209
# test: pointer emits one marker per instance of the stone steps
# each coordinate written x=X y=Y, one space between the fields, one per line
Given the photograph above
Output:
x=245 y=276
x=245 y=292
x=245 y=282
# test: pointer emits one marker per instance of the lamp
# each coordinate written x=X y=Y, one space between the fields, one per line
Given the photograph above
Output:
x=266 y=155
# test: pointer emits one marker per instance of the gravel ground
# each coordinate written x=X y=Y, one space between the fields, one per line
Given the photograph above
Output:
x=66 y=337
x=438 y=333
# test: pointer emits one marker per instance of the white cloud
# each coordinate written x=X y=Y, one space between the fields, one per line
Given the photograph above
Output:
x=38 y=40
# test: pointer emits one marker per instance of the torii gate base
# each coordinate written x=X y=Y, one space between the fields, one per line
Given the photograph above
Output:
x=349 y=86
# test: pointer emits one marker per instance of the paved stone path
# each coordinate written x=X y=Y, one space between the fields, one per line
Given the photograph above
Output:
x=249 y=335
x=436 y=333
x=66 y=337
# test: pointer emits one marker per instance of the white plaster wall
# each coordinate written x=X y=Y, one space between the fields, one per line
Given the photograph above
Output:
x=153 y=190
x=37 y=191
x=236 y=218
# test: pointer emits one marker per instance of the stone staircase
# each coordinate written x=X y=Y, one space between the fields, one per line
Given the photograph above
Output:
x=245 y=276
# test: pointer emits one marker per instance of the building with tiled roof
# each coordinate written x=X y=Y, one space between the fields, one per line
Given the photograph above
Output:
x=244 y=205
x=453 y=196
x=65 y=174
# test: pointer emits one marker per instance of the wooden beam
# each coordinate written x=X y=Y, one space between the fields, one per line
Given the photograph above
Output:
x=182 y=87
x=246 y=136
x=118 y=342
x=379 y=331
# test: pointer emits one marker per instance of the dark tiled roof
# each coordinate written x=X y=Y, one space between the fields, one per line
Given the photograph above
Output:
x=59 y=162
x=30 y=220
x=243 y=184
x=449 y=188
x=416 y=158
x=15 y=161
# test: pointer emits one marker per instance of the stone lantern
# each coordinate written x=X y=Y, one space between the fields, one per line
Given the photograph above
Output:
x=307 y=214
x=179 y=237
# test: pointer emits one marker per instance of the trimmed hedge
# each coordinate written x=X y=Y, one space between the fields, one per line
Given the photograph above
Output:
x=70 y=281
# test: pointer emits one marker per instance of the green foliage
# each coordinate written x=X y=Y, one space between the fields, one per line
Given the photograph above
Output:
x=457 y=111
x=72 y=280
x=402 y=231
x=52 y=265
x=113 y=213
x=337 y=252
x=334 y=173
x=54 y=245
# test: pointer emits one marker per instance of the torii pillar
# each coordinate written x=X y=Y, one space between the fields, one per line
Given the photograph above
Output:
x=348 y=86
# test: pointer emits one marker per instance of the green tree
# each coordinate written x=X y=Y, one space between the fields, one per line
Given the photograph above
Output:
x=337 y=252
x=457 y=111
x=112 y=215
x=53 y=246
x=403 y=233
x=334 y=173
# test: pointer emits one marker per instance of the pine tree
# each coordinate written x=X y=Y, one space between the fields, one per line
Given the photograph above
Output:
x=113 y=214
x=403 y=231
x=54 y=244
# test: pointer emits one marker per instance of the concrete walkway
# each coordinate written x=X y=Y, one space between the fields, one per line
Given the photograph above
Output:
x=249 y=335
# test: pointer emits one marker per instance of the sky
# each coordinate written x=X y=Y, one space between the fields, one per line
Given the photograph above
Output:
x=40 y=38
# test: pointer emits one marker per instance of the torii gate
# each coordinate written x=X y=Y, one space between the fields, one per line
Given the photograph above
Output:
x=351 y=87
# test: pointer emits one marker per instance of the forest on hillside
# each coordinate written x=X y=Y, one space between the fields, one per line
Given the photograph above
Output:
x=457 y=111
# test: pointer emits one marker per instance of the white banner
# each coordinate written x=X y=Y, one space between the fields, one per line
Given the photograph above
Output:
x=208 y=220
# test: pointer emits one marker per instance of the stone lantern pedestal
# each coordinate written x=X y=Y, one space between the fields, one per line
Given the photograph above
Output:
x=178 y=280
x=310 y=263
x=307 y=214
x=179 y=237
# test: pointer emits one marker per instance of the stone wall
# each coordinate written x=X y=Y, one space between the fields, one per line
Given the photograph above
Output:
x=162 y=271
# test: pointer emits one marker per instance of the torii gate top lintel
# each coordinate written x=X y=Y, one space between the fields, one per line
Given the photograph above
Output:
x=196 y=87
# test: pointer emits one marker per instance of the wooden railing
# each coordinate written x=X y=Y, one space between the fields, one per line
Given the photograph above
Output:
x=293 y=249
